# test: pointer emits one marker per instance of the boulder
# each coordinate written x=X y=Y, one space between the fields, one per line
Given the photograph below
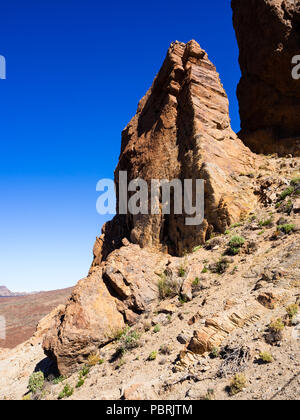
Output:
x=112 y=296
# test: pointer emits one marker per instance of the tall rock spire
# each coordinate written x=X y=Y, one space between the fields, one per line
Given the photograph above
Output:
x=182 y=131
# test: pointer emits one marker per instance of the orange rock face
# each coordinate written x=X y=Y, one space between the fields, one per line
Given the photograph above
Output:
x=101 y=305
x=269 y=97
x=182 y=131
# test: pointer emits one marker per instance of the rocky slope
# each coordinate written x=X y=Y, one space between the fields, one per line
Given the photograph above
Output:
x=23 y=313
x=268 y=34
x=190 y=347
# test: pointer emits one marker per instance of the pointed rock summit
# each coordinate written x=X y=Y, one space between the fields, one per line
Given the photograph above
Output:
x=182 y=131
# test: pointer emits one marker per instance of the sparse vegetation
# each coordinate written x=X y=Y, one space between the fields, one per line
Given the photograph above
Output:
x=287 y=228
x=181 y=271
x=58 y=380
x=36 y=382
x=84 y=371
x=215 y=352
x=167 y=287
x=266 y=222
x=235 y=244
x=80 y=383
x=93 y=360
x=197 y=248
x=275 y=331
x=66 y=392
x=210 y=395
x=205 y=270
x=128 y=341
x=196 y=282
x=292 y=311
x=236 y=241
x=220 y=266
x=237 y=384
x=165 y=349
x=287 y=192
x=295 y=181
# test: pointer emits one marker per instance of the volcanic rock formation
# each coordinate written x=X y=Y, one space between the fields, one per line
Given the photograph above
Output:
x=182 y=131
x=268 y=34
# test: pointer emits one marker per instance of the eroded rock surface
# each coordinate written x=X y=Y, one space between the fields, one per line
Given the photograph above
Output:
x=268 y=34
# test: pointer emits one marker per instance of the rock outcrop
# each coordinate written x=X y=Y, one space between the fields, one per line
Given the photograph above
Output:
x=101 y=304
x=268 y=34
x=182 y=131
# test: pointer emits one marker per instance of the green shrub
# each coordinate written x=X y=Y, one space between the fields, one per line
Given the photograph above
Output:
x=167 y=287
x=58 y=380
x=266 y=357
x=295 y=181
x=66 y=392
x=80 y=383
x=220 y=266
x=237 y=384
x=156 y=329
x=236 y=225
x=181 y=271
x=36 y=382
x=286 y=193
x=129 y=341
x=266 y=222
x=234 y=245
x=197 y=248
x=152 y=355
x=287 y=228
x=292 y=310
x=215 y=352
x=236 y=242
x=205 y=270
x=276 y=325
x=196 y=282
x=84 y=371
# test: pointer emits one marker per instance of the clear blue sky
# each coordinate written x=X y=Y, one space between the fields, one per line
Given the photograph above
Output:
x=76 y=70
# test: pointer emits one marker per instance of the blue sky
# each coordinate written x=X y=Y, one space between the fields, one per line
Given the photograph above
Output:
x=75 y=73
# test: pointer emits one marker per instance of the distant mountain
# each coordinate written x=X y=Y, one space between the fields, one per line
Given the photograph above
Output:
x=5 y=292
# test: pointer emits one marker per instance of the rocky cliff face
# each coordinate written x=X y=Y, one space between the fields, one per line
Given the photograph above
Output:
x=182 y=131
x=268 y=34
